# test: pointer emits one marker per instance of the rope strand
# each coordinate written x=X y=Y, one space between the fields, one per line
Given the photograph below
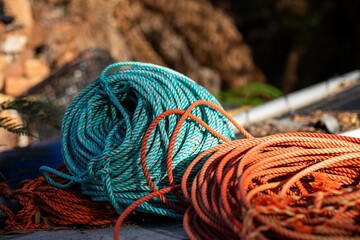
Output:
x=103 y=127
x=45 y=207
x=283 y=186
x=288 y=186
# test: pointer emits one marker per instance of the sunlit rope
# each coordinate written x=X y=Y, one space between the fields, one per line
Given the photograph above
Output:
x=283 y=186
x=42 y=206
x=103 y=127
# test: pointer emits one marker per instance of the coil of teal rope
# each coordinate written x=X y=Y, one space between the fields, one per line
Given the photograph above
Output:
x=103 y=127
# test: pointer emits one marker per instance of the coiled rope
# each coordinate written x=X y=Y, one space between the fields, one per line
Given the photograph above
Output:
x=103 y=127
x=284 y=186
x=43 y=206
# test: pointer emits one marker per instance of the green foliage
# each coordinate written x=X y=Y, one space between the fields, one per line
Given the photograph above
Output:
x=8 y=124
x=41 y=111
x=250 y=94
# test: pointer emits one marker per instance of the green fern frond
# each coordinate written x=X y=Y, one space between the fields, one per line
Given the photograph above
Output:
x=37 y=110
x=9 y=125
x=25 y=106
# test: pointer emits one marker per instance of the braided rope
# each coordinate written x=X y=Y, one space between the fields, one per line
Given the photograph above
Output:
x=283 y=186
x=43 y=206
x=104 y=125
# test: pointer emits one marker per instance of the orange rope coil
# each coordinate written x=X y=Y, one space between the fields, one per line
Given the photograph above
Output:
x=294 y=185
x=45 y=207
x=284 y=186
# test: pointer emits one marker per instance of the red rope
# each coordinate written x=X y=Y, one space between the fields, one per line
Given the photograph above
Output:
x=284 y=186
x=44 y=207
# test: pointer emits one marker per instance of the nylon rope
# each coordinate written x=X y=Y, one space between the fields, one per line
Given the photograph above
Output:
x=103 y=127
x=283 y=186
x=146 y=138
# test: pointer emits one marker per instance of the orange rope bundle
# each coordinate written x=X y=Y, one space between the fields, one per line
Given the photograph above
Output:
x=292 y=186
x=44 y=207
x=295 y=185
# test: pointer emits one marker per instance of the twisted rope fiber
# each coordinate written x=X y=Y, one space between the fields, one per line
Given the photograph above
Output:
x=103 y=127
x=283 y=186
x=46 y=207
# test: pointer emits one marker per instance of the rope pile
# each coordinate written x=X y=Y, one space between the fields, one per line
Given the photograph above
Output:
x=46 y=207
x=284 y=186
x=103 y=127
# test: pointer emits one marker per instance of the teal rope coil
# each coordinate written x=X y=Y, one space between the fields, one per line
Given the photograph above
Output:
x=103 y=127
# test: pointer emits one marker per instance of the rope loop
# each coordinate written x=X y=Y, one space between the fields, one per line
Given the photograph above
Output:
x=283 y=186
x=103 y=127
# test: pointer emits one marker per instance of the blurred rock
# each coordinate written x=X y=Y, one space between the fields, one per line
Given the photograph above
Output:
x=14 y=43
x=13 y=69
x=21 y=10
x=190 y=36
x=63 y=41
x=204 y=37
x=16 y=86
x=2 y=81
x=36 y=70
x=58 y=2
x=2 y=62
x=27 y=53
x=67 y=57
x=40 y=33
x=63 y=85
